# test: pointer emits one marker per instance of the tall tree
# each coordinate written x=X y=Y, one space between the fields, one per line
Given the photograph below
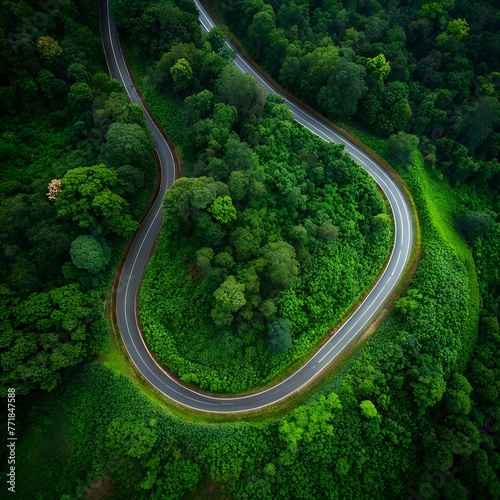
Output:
x=87 y=253
x=87 y=197
x=282 y=264
x=127 y=144
x=229 y=298
x=346 y=86
x=240 y=90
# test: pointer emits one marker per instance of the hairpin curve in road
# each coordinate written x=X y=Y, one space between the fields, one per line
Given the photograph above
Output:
x=140 y=251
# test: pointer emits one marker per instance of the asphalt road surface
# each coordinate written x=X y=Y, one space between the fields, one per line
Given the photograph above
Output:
x=140 y=251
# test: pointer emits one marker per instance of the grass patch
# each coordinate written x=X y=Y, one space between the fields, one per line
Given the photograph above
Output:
x=111 y=357
x=369 y=139
x=442 y=205
x=438 y=204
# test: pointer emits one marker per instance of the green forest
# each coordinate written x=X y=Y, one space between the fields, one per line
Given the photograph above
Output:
x=274 y=240
x=77 y=173
x=276 y=235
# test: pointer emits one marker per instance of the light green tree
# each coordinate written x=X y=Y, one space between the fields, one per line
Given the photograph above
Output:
x=379 y=66
x=368 y=409
x=48 y=47
x=182 y=74
x=229 y=297
x=87 y=197
x=224 y=259
x=458 y=28
x=436 y=8
x=223 y=209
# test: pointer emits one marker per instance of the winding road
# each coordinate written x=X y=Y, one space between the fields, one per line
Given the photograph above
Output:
x=143 y=244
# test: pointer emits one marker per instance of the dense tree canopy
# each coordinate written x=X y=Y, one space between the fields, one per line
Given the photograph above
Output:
x=415 y=412
x=425 y=68
x=87 y=253
x=62 y=212
x=259 y=237
x=87 y=197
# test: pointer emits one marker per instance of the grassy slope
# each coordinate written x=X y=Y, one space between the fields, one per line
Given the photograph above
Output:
x=438 y=205
x=441 y=207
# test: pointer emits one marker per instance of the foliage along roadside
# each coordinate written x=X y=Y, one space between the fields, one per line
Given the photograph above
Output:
x=263 y=243
x=68 y=129
x=377 y=424
x=423 y=75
